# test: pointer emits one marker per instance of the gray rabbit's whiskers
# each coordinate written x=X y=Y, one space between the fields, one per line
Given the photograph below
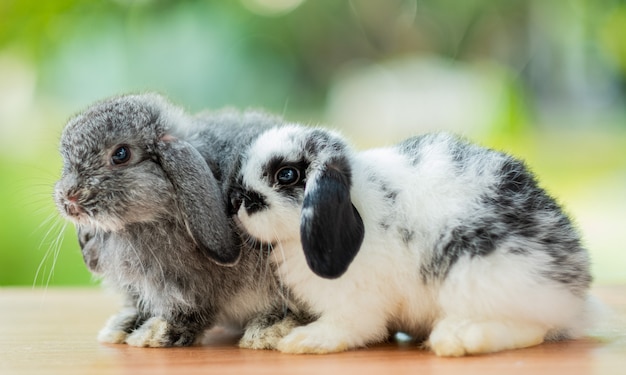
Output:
x=51 y=227
x=53 y=249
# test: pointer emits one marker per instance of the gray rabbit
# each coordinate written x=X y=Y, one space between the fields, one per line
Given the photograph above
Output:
x=146 y=186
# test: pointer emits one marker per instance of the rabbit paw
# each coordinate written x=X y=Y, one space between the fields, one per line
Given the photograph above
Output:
x=455 y=338
x=314 y=339
x=153 y=333
x=108 y=335
x=118 y=327
x=263 y=337
x=156 y=332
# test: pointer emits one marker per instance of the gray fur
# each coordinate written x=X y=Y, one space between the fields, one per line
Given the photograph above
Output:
x=156 y=226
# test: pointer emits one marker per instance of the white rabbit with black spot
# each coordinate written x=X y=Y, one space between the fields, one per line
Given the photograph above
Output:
x=447 y=241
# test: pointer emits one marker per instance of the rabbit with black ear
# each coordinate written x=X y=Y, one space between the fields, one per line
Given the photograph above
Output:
x=144 y=184
x=447 y=241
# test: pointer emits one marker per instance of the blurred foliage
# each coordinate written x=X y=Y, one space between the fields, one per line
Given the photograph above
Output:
x=135 y=42
x=547 y=79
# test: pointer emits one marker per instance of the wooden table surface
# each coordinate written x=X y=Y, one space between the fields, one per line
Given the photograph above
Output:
x=53 y=332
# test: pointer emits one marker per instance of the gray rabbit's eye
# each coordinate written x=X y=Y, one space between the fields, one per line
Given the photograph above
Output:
x=287 y=176
x=121 y=155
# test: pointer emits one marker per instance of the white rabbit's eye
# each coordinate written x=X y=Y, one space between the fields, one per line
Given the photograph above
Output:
x=121 y=155
x=287 y=176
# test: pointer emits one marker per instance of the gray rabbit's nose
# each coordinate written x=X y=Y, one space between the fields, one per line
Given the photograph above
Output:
x=71 y=205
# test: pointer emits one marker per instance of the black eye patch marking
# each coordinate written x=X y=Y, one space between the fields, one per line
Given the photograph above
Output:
x=285 y=174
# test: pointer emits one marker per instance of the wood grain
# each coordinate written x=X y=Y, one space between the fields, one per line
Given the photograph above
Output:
x=53 y=332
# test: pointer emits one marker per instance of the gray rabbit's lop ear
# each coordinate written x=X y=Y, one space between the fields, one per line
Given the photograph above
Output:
x=331 y=229
x=200 y=199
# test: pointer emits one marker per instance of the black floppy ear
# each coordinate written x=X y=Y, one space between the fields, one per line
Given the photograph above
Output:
x=331 y=228
x=200 y=199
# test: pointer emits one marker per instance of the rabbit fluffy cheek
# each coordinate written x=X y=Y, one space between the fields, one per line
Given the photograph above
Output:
x=271 y=203
x=280 y=223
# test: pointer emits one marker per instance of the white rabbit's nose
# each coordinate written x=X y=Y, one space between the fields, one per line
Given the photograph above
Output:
x=254 y=202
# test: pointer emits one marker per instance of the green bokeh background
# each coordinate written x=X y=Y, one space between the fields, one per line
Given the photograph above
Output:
x=544 y=80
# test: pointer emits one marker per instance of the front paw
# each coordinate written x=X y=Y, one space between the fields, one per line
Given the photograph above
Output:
x=156 y=332
x=314 y=339
x=119 y=326
x=257 y=336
